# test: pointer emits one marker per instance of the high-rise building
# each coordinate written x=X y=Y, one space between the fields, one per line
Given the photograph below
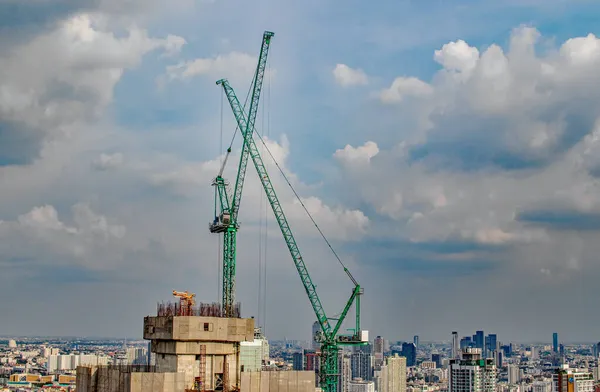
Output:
x=465 y=342
x=561 y=350
x=596 y=350
x=311 y=360
x=472 y=373
x=416 y=342
x=409 y=351
x=455 y=345
x=378 y=351
x=137 y=355
x=316 y=329
x=393 y=378
x=346 y=371
x=298 y=361
x=478 y=338
x=491 y=345
x=555 y=342
x=362 y=365
x=535 y=351
x=514 y=374
x=437 y=358
x=568 y=380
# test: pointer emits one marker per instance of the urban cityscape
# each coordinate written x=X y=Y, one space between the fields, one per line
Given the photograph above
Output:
x=474 y=363
x=404 y=195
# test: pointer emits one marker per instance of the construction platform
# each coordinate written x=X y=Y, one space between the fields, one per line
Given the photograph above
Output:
x=205 y=349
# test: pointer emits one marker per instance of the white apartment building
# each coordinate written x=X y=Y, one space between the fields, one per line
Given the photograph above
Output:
x=359 y=385
x=472 y=373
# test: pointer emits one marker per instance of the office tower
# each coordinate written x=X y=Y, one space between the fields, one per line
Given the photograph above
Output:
x=378 y=351
x=596 y=350
x=394 y=375
x=478 y=338
x=514 y=374
x=472 y=373
x=499 y=358
x=491 y=344
x=136 y=356
x=465 y=343
x=362 y=365
x=555 y=342
x=569 y=380
x=437 y=358
x=409 y=351
x=316 y=329
x=298 y=361
x=455 y=345
x=416 y=341
x=561 y=350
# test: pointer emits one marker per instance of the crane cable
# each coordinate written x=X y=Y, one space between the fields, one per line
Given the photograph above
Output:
x=306 y=210
x=219 y=243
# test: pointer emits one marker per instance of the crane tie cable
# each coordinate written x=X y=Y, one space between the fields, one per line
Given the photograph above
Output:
x=305 y=209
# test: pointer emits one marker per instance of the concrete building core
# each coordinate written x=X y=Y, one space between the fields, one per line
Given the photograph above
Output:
x=205 y=349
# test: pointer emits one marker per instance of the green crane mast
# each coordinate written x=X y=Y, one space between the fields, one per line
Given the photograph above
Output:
x=227 y=221
x=329 y=338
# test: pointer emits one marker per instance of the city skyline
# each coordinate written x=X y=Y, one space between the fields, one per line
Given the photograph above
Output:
x=447 y=151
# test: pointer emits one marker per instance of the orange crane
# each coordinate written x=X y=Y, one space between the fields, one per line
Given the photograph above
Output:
x=186 y=302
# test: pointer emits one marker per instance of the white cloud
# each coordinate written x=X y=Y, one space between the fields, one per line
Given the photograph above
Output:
x=346 y=76
x=234 y=65
x=108 y=161
x=457 y=56
x=405 y=87
x=359 y=155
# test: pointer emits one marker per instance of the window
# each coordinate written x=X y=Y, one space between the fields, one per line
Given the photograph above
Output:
x=206 y=327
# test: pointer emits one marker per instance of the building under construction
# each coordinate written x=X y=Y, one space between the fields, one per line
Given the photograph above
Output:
x=196 y=350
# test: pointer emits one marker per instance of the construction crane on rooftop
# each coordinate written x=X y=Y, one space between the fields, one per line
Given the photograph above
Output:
x=226 y=221
x=328 y=336
x=186 y=302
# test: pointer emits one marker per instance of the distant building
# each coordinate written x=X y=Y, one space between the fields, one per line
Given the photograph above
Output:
x=298 y=361
x=416 y=341
x=555 y=342
x=409 y=351
x=12 y=343
x=479 y=340
x=455 y=345
x=360 y=385
x=465 y=343
x=254 y=354
x=437 y=358
x=394 y=375
x=572 y=380
x=472 y=373
x=362 y=365
x=541 y=386
x=378 y=346
x=137 y=356
x=514 y=374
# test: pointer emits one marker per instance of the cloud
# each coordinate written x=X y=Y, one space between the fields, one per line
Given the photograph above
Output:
x=346 y=76
x=405 y=87
x=108 y=161
x=56 y=81
x=359 y=155
x=234 y=65
x=513 y=109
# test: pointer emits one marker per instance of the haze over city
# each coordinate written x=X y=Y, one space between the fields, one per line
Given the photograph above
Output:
x=448 y=150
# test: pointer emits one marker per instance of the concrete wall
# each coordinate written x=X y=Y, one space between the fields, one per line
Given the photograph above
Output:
x=94 y=379
x=194 y=328
x=275 y=381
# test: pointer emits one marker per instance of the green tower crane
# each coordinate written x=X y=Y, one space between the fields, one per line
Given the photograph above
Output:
x=328 y=337
x=227 y=221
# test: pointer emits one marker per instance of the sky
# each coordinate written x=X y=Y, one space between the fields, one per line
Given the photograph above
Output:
x=446 y=150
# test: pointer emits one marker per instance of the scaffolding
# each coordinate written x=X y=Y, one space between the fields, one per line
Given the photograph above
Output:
x=202 y=309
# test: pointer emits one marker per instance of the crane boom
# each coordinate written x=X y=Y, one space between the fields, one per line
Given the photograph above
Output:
x=227 y=223
x=329 y=349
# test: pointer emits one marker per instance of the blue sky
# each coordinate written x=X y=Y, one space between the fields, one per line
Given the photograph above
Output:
x=446 y=148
